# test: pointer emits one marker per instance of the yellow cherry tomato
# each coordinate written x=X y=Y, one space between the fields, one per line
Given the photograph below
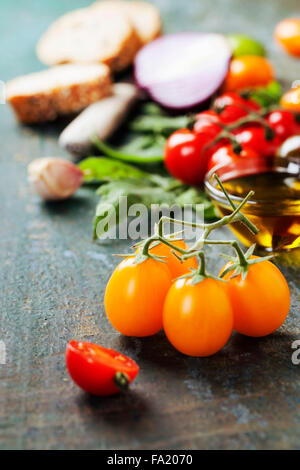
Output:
x=248 y=71
x=135 y=295
x=198 y=319
x=177 y=268
x=287 y=34
x=260 y=302
x=291 y=99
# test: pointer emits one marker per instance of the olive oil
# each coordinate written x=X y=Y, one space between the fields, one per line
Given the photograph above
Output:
x=274 y=209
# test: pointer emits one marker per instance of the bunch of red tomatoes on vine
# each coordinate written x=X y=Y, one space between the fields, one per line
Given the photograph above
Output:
x=235 y=127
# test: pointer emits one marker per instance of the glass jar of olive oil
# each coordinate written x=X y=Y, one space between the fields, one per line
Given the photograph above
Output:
x=275 y=206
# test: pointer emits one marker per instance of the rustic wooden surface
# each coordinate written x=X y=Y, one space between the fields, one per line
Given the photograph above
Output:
x=52 y=281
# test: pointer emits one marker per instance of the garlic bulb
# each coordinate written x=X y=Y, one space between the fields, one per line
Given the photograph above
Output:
x=54 y=178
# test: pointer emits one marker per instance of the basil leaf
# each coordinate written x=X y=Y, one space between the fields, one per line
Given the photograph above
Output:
x=136 y=191
x=195 y=196
x=152 y=109
x=159 y=124
x=151 y=154
x=266 y=96
x=153 y=189
x=98 y=169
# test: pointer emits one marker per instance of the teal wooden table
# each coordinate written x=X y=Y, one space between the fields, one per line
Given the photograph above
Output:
x=52 y=279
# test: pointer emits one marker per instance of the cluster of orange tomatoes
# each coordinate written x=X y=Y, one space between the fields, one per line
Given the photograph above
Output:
x=197 y=317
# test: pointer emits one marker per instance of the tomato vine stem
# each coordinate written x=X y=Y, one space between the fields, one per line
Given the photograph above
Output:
x=240 y=263
x=121 y=381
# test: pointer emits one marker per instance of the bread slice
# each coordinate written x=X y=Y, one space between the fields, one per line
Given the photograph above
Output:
x=43 y=96
x=144 y=16
x=90 y=35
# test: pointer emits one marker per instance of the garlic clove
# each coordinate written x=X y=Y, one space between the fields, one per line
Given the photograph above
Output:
x=54 y=178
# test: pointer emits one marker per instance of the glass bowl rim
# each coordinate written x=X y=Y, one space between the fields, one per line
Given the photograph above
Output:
x=217 y=194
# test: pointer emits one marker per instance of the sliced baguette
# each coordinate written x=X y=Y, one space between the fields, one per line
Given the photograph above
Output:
x=100 y=119
x=65 y=89
x=144 y=16
x=102 y=35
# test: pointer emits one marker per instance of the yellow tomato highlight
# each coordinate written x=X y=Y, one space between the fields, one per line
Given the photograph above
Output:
x=287 y=34
x=198 y=319
x=291 y=99
x=248 y=72
x=261 y=302
x=135 y=295
x=177 y=268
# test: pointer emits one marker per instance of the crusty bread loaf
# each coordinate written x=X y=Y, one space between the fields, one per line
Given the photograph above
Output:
x=42 y=96
x=90 y=35
x=144 y=16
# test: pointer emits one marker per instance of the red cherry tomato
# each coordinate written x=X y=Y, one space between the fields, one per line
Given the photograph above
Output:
x=226 y=155
x=232 y=107
x=185 y=156
x=254 y=138
x=234 y=98
x=207 y=127
x=209 y=115
x=284 y=123
x=98 y=370
x=208 y=124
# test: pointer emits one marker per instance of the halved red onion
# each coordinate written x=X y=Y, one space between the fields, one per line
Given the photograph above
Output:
x=183 y=70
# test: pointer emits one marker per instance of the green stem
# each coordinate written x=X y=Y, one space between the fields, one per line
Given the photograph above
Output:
x=121 y=381
x=202 y=270
x=164 y=219
x=113 y=153
x=226 y=134
x=253 y=116
x=239 y=252
x=208 y=228
x=174 y=247
x=242 y=217
x=147 y=244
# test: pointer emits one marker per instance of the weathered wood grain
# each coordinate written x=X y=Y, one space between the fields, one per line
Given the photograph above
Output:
x=52 y=280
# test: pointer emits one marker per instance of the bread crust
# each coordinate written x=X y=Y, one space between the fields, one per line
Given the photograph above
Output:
x=144 y=17
x=86 y=35
x=59 y=98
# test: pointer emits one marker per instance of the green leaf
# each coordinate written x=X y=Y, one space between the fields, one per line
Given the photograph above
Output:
x=136 y=190
x=266 y=96
x=152 y=109
x=159 y=124
x=151 y=154
x=147 y=190
x=138 y=143
x=97 y=169
x=195 y=196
